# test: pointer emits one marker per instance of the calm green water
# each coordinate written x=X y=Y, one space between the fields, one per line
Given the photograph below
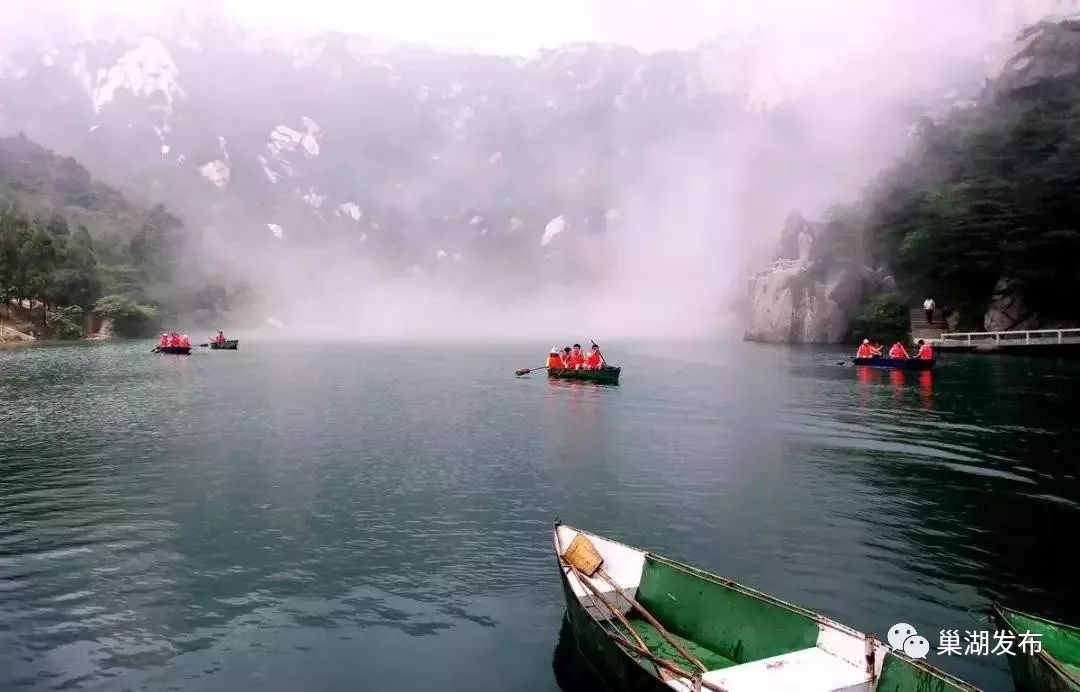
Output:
x=341 y=516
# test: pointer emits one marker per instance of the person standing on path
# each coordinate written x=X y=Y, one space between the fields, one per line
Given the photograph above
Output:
x=929 y=306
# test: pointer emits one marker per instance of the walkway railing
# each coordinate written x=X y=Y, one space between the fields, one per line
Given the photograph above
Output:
x=1028 y=337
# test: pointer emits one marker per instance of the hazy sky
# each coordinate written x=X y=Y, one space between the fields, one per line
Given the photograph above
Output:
x=522 y=26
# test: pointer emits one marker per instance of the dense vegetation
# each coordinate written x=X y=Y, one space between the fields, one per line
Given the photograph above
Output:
x=71 y=246
x=988 y=201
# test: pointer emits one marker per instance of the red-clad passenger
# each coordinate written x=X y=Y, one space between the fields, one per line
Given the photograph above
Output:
x=577 y=358
x=164 y=340
x=925 y=352
x=594 y=361
x=554 y=360
x=219 y=338
x=185 y=342
x=174 y=340
x=898 y=351
x=865 y=350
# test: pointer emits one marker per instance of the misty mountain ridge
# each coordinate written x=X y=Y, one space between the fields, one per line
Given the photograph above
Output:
x=297 y=155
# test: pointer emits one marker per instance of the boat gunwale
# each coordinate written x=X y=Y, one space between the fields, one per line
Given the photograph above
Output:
x=773 y=600
x=1055 y=664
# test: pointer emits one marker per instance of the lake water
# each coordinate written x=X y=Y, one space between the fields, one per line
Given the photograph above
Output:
x=365 y=516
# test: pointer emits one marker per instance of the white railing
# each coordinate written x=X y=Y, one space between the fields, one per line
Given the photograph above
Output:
x=1030 y=336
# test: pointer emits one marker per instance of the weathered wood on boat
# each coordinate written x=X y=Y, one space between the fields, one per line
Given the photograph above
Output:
x=604 y=375
x=746 y=639
x=229 y=345
x=1056 y=668
x=175 y=350
x=896 y=363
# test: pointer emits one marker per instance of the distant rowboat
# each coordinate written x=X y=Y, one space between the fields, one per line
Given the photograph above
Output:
x=230 y=345
x=175 y=350
x=648 y=623
x=604 y=375
x=1056 y=668
x=896 y=363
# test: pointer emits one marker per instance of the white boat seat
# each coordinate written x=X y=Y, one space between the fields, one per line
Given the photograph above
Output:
x=805 y=670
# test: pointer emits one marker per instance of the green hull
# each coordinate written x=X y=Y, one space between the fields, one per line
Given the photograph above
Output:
x=230 y=345
x=605 y=375
x=745 y=639
x=1054 y=669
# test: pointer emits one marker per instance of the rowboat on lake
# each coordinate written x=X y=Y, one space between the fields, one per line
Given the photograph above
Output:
x=175 y=350
x=604 y=375
x=1056 y=667
x=228 y=345
x=897 y=363
x=645 y=622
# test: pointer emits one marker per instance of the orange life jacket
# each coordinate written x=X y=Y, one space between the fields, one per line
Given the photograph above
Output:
x=593 y=360
x=164 y=340
x=925 y=352
x=219 y=339
x=554 y=361
x=865 y=351
x=898 y=351
x=576 y=359
x=185 y=342
x=174 y=340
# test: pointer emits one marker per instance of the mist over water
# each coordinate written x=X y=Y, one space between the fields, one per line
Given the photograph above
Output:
x=750 y=110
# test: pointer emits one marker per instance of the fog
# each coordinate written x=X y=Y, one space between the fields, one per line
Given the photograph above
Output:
x=821 y=100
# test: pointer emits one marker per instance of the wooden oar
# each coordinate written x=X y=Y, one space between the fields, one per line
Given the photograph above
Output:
x=584 y=557
x=203 y=345
x=603 y=360
x=641 y=647
x=526 y=371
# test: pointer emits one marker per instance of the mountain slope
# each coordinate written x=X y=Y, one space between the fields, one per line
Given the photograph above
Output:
x=308 y=161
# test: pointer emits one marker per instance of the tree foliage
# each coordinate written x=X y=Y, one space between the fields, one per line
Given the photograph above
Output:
x=991 y=192
x=885 y=318
x=67 y=240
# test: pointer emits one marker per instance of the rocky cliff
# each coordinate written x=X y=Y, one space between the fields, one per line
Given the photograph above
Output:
x=811 y=293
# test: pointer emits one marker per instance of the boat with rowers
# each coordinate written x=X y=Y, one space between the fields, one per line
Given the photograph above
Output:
x=603 y=375
x=645 y=622
x=895 y=363
x=174 y=350
x=227 y=345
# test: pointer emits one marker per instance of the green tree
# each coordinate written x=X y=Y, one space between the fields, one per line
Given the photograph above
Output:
x=128 y=317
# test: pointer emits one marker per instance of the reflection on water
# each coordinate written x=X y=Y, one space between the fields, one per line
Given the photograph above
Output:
x=307 y=517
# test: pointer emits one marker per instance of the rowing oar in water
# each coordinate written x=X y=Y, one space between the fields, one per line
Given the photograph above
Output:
x=526 y=371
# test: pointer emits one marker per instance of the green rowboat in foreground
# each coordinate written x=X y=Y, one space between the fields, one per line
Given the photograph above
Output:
x=1056 y=668
x=604 y=375
x=648 y=623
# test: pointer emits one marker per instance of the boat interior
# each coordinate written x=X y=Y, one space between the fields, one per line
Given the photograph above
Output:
x=745 y=640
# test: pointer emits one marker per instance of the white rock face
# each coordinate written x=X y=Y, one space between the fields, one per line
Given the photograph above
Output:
x=553 y=228
x=313 y=198
x=271 y=175
x=146 y=70
x=216 y=172
x=277 y=230
x=351 y=209
x=795 y=302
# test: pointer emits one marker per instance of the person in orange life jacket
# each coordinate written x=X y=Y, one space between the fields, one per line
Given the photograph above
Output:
x=566 y=357
x=174 y=339
x=219 y=339
x=898 y=351
x=185 y=342
x=865 y=350
x=594 y=361
x=925 y=352
x=164 y=340
x=577 y=358
x=554 y=359
x=877 y=349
